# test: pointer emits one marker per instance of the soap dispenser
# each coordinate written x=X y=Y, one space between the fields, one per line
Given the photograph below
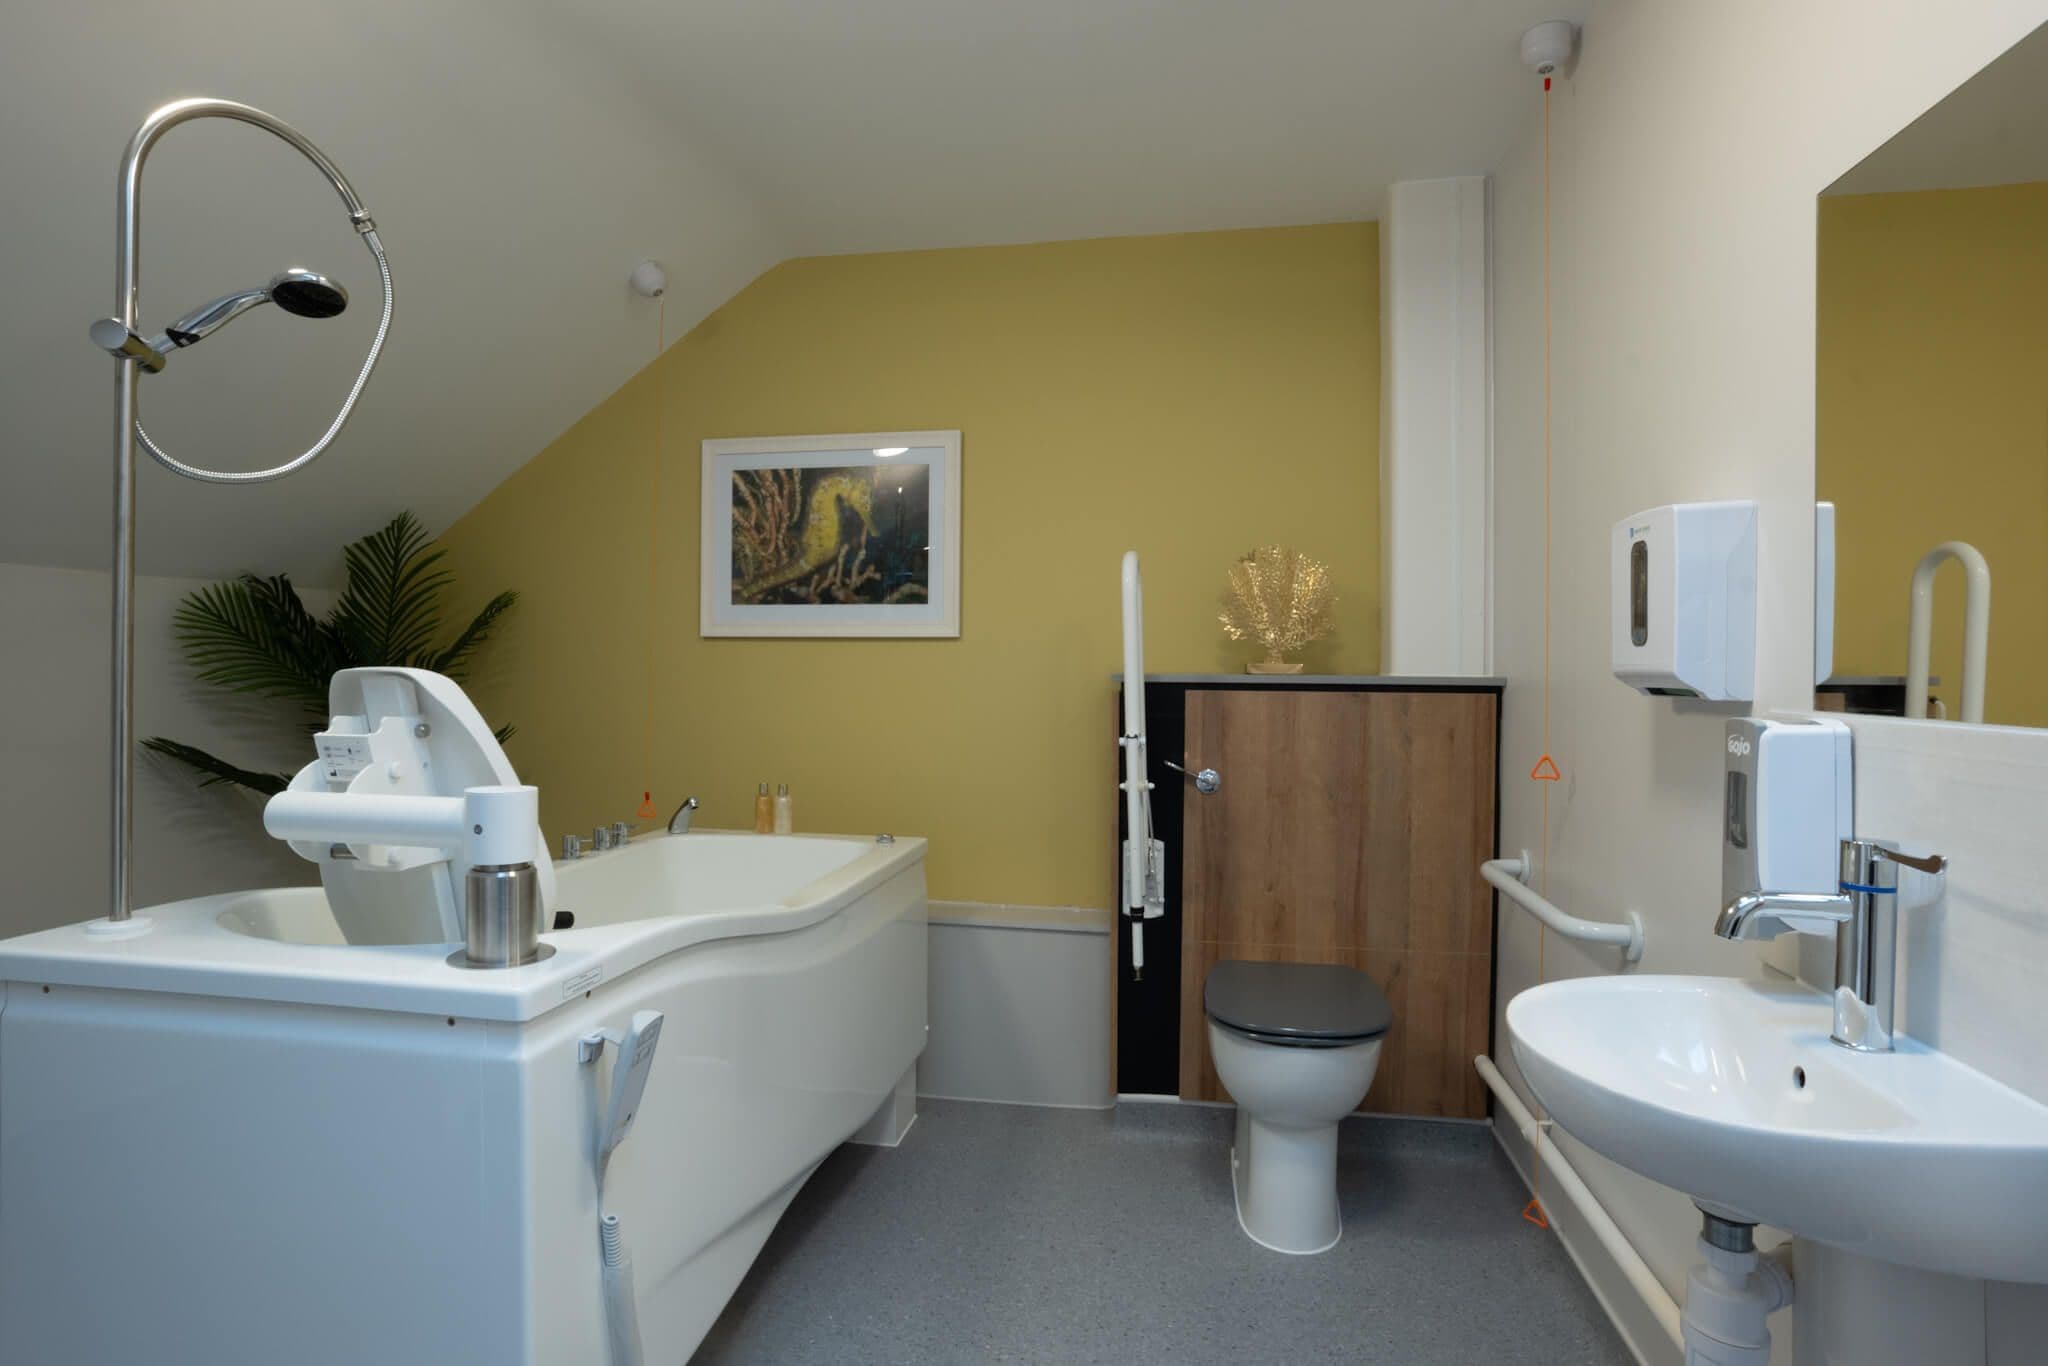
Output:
x=764 y=811
x=785 y=810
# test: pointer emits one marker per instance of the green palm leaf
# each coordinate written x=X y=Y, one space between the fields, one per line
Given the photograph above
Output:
x=454 y=659
x=254 y=635
x=217 y=770
x=390 y=610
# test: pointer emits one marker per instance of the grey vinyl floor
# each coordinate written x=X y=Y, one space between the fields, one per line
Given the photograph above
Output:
x=1000 y=1233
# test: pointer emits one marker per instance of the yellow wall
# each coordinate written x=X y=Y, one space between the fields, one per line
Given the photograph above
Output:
x=1186 y=396
x=1933 y=424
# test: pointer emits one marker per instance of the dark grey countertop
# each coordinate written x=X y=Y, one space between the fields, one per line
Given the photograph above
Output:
x=1382 y=682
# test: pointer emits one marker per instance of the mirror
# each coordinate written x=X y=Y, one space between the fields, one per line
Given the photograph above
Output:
x=1932 y=406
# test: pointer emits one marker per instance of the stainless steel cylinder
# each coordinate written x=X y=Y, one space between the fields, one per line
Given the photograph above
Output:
x=501 y=916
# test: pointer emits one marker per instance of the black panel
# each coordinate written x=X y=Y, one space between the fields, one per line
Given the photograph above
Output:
x=1148 y=1009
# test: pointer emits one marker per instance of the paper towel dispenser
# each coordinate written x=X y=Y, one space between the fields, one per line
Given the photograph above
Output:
x=1684 y=600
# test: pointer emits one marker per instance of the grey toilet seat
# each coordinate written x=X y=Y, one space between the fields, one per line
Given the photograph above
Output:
x=1296 y=1005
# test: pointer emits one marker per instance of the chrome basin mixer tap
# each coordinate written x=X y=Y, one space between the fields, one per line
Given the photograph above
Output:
x=1864 y=916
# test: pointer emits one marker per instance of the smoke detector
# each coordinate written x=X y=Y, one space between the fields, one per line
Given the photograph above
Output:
x=1548 y=46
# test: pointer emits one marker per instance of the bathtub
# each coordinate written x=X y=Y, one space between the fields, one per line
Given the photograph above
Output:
x=235 y=1138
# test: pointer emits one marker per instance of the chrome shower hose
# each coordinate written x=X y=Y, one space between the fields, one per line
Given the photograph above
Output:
x=306 y=457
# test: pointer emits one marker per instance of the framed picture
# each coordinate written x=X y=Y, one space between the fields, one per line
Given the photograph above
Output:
x=832 y=535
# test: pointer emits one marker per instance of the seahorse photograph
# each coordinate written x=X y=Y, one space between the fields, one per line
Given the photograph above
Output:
x=854 y=534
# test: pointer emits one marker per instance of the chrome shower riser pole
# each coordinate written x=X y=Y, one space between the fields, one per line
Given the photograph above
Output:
x=127 y=285
x=120 y=903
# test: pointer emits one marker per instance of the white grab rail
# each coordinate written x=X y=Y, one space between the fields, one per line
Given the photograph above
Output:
x=1597 y=1220
x=1976 y=627
x=1505 y=876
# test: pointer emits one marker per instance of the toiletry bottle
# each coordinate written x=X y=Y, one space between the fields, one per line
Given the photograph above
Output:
x=764 y=811
x=785 y=811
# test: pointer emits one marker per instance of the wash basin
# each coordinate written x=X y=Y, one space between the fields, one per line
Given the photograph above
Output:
x=1730 y=1091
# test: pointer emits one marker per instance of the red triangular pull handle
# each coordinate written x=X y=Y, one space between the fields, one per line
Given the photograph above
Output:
x=647 y=811
x=1545 y=770
x=1533 y=1212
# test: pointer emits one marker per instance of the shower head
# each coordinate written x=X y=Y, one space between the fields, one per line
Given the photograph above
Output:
x=304 y=293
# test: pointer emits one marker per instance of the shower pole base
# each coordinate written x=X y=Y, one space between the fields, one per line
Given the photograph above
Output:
x=108 y=928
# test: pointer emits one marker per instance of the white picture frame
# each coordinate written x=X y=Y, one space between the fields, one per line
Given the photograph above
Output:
x=887 y=564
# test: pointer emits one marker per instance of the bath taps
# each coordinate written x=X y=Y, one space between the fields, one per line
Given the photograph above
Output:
x=679 y=824
x=1864 y=916
x=602 y=837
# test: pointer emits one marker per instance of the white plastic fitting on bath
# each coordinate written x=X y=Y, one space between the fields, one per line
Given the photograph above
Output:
x=1505 y=876
x=492 y=825
x=1976 y=628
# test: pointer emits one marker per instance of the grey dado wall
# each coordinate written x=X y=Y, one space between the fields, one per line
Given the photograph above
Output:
x=1019 y=1006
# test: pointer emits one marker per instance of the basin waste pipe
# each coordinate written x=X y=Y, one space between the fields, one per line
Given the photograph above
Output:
x=1731 y=1294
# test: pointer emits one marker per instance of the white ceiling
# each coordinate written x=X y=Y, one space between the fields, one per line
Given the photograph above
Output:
x=1993 y=130
x=521 y=156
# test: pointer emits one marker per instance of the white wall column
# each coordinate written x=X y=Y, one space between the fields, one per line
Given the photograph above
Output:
x=1436 y=446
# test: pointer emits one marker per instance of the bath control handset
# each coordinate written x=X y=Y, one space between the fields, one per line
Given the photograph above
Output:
x=629 y=1079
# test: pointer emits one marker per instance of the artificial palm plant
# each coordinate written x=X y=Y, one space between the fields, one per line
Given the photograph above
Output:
x=253 y=635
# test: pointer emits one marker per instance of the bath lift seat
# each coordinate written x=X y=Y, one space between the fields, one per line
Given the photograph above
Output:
x=1296 y=1046
x=396 y=733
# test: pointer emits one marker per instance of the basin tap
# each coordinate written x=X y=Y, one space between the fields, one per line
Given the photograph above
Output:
x=1864 y=916
x=1766 y=915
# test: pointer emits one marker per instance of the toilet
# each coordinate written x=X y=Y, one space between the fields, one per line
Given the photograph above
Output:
x=1296 y=1045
